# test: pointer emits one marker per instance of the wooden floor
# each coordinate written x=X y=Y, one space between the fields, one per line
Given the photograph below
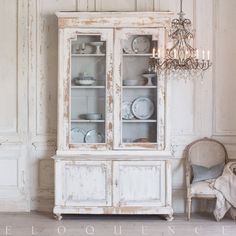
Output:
x=24 y=224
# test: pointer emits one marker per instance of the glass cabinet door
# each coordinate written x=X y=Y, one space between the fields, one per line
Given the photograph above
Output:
x=139 y=89
x=90 y=89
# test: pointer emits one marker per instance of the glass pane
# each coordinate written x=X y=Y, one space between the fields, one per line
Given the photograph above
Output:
x=88 y=81
x=139 y=94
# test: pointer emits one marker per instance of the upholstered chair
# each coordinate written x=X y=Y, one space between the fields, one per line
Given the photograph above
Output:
x=203 y=152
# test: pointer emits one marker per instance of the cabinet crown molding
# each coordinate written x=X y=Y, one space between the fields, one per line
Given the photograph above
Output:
x=113 y=19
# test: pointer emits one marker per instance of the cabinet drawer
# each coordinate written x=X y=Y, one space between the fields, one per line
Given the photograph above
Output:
x=139 y=183
x=85 y=183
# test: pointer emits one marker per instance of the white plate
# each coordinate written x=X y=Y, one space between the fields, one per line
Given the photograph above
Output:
x=93 y=136
x=142 y=108
x=77 y=135
x=141 y=44
x=126 y=111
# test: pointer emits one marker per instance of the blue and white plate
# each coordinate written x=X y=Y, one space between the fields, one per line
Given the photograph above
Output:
x=77 y=135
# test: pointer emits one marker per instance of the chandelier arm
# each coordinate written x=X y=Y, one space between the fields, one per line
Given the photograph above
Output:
x=189 y=46
x=174 y=47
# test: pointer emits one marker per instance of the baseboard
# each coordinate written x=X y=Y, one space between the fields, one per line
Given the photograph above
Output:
x=44 y=204
x=13 y=205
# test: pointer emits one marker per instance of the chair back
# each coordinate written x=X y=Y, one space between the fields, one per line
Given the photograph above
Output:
x=204 y=152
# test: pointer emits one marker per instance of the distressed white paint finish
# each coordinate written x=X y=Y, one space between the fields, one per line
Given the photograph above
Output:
x=104 y=187
x=140 y=183
x=36 y=13
x=82 y=183
x=86 y=186
x=86 y=183
x=113 y=20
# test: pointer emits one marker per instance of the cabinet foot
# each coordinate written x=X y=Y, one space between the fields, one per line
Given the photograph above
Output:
x=58 y=217
x=169 y=217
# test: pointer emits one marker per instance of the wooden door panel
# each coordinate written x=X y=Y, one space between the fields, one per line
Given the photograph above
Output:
x=87 y=184
x=140 y=183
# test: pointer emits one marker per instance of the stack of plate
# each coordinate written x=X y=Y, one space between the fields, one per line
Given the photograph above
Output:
x=84 y=79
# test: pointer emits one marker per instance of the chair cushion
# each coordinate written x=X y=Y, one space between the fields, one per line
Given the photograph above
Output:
x=202 y=187
x=201 y=173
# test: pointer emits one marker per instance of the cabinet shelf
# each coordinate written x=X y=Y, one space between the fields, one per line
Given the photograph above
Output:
x=89 y=55
x=139 y=121
x=140 y=87
x=87 y=87
x=87 y=121
x=137 y=55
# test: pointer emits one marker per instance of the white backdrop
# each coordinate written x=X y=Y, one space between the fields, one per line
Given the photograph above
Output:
x=28 y=91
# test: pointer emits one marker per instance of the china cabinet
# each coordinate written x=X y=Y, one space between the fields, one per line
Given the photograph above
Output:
x=113 y=149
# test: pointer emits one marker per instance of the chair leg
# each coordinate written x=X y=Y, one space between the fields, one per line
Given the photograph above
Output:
x=189 y=208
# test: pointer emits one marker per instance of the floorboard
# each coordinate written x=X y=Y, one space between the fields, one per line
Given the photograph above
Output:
x=42 y=224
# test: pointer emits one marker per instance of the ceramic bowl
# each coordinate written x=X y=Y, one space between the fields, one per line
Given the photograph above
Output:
x=93 y=116
x=134 y=82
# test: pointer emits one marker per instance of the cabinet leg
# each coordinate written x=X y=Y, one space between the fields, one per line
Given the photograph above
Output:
x=169 y=217
x=58 y=217
x=189 y=207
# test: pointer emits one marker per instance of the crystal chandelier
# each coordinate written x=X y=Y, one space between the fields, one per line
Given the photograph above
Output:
x=182 y=60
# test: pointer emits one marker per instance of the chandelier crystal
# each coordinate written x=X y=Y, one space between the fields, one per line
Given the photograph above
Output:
x=182 y=60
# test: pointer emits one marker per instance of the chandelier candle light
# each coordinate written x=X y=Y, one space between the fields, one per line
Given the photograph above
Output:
x=182 y=60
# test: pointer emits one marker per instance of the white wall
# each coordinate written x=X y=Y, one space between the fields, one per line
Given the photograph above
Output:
x=28 y=91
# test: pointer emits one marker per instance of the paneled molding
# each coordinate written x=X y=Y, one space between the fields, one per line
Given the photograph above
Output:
x=18 y=131
x=82 y=5
x=14 y=181
x=86 y=5
x=122 y=5
x=224 y=84
x=43 y=67
x=144 y=5
x=14 y=189
x=156 y=5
